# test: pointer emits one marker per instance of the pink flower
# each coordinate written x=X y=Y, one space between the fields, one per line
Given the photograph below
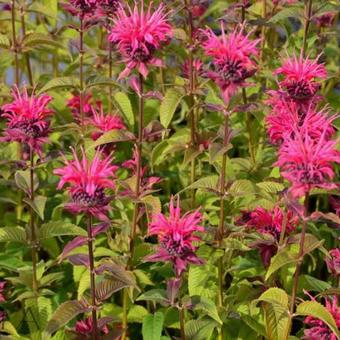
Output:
x=104 y=123
x=2 y=288
x=325 y=19
x=197 y=66
x=288 y=117
x=232 y=59
x=307 y=163
x=319 y=330
x=138 y=35
x=333 y=263
x=176 y=235
x=74 y=105
x=81 y=8
x=199 y=7
x=27 y=119
x=87 y=182
x=84 y=327
x=300 y=77
x=268 y=222
x=107 y=8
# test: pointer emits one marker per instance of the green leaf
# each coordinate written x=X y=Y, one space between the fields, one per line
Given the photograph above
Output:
x=152 y=326
x=200 y=329
x=207 y=305
x=60 y=83
x=4 y=42
x=23 y=180
x=137 y=313
x=156 y=295
x=37 y=7
x=277 y=319
x=38 y=205
x=281 y=259
x=63 y=314
x=232 y=243
x=285 y=13
x=13 y=234
x=169 y=105
x=101 y=81
x=60 y=228
x=38 y=40
x=124 y=106
x=38 y=312
x=270 y=187
x=318 y=311
x=208 y=183
x=241 y=187
x=152 y=203
x=114 y=136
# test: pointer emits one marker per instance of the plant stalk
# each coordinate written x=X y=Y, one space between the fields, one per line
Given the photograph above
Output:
x=263 y=30
x=222 y=217
x=32 y=227
x=81 y=72
x=95 y=334
x=300 y=255
x=182 y=323
x=308 y=17
x=14 y=44
x=284 y=227
x=110 y=76
x=26 y=54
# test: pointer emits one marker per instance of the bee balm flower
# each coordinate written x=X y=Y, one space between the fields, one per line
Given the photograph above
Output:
x=232 y=59
x=27 y=119
x=176 y=236
x=87 y=182
x=138 y=35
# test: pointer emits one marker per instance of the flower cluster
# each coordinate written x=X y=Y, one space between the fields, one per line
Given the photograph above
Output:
x=333 y=262
x=318 y=329
x=232 y=59
x=176 y=235
x=303 y=133
x=268 y=222
x=27 y=119
x=138 y=34
x=87 y=183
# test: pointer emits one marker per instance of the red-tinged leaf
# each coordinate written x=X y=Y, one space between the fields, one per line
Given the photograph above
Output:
x=79 y=260
x=75 y=243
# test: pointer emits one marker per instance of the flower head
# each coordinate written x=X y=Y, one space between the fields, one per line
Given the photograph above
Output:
x=232 y=58
x=138 y=35
x=325 y=19
x=87 y=182
x=85 y=327
x=81 y=8
x=333 y=263
x=88 y=105
x=287 y=117
x=27 y=119
x=107 y=8
x=104 y=123
x=300 y=77
x=318 y=329
x=176 y=235
x=307 y=163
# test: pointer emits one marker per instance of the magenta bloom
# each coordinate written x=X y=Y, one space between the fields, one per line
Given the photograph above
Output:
x=232 y=59
x=325 y=19
x=307 y=163
x=2 y=288
x=138 y=35
x=27 y=119
x=318 y=329
x=300 y=77
x=288 y=117
x=104 y=123
x=74 y=105
x=84 y=327
x=268 y=222
x=87 y=182
x=176 y=235
x=107 y=7
x=333 y=263
x=81 y=8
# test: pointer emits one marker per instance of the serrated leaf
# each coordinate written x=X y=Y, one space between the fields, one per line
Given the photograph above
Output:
x=38 y=40
x=232 y=243
x=270 y=187
x=157 y=295
x=114 y=136
x=152 y=326
x=137 y=313
x=123 y=103
x=200 y=329
x=285 y=13
x=101 y=81
x=281 y=259
x=317 y=310
x=13 y=234
x=38 y=7
x=23 y=180
x=4 y=42
x=241 y=187
x=60 y=83
x=38 y=312
x=64 y=313
x=208 y=183
x=108 y=286
x=168 y=106
x=152 y=203
x=207 y=305
x=59 y=228
x=38 y=205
